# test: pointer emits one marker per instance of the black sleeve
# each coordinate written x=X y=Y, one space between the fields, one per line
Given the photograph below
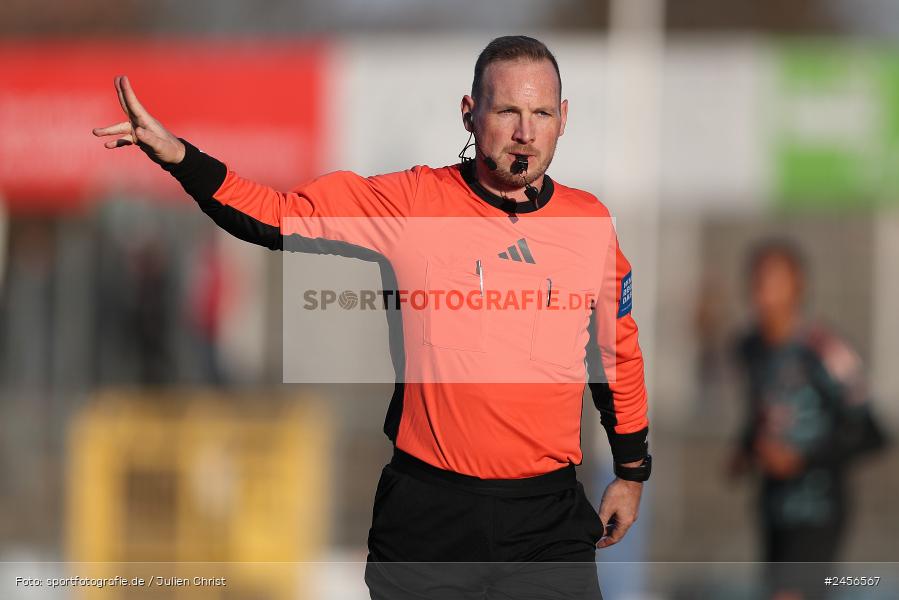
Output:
x=201 y=176
x=625 y=447
x=856 y=434
x=855 y=430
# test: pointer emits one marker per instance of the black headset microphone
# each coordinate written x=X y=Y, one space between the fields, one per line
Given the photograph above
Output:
x=519 y=166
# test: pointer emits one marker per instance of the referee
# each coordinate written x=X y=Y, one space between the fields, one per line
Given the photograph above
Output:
x=480 y=498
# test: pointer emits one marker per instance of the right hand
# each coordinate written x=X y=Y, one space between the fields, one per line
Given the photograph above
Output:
x=141 y=129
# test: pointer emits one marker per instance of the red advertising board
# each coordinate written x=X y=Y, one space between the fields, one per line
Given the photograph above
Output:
x=257 y=105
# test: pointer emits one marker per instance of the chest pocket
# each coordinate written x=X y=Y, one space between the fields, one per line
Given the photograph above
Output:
x=560 y=328
x=453 y=317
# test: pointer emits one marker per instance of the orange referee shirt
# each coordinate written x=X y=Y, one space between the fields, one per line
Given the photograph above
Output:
x=509 y=309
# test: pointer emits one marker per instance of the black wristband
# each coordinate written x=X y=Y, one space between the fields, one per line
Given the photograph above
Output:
x=638 y=473
x=198 y=173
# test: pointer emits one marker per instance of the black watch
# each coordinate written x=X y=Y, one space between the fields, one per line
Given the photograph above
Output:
x=638 y=473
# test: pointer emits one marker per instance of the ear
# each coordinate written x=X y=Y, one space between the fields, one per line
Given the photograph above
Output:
x=564 y=115
x=467 y=107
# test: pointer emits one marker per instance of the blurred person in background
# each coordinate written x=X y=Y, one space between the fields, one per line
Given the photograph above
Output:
x=807 y=418
x=209 y=294
x=149 y=309
x=482 y=473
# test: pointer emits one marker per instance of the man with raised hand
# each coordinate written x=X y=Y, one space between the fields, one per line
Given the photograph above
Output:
x=486 y=422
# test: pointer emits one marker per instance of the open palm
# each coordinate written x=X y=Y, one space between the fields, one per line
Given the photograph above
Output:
x=141 y=129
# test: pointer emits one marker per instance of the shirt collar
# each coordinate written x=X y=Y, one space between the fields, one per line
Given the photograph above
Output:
x=506 y=204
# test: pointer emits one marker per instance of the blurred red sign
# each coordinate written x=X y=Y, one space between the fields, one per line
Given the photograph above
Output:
x=256 y=105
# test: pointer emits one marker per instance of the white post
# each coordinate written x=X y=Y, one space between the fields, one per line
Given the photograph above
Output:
x=632 y=154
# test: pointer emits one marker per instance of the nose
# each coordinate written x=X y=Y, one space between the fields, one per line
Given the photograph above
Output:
x=524 y=132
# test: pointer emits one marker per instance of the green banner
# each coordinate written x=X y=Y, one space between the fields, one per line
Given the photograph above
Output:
x=835 y=112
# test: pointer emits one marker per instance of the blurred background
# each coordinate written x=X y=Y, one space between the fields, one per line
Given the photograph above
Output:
x=142 y=411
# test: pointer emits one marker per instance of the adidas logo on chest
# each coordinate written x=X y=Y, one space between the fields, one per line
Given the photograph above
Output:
x=518 y=252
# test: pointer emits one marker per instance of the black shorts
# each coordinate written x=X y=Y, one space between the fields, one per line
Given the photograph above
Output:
x=437 y=534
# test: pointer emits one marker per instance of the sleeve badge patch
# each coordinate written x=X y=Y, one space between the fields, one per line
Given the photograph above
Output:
x=625 y=302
